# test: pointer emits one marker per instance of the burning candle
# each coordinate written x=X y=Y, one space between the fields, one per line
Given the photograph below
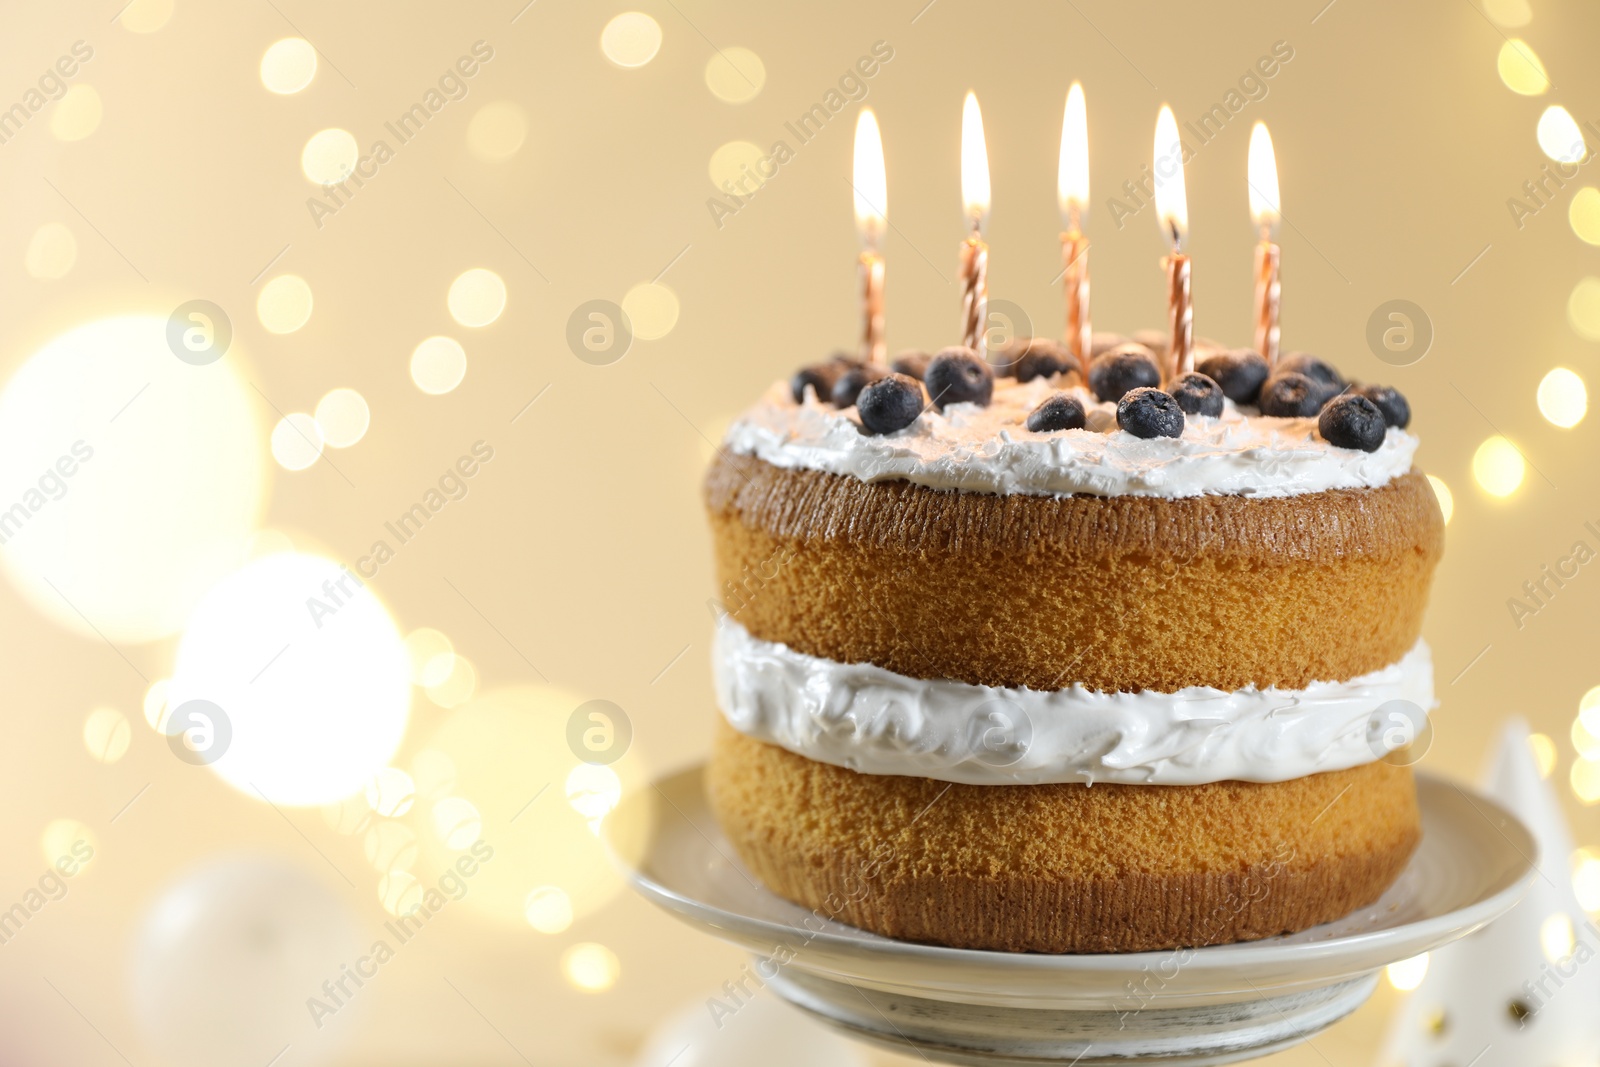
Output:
x=1172 y=209
x=974 y=253
x=872 y=217
x=1072 y=196
x=1265 y=212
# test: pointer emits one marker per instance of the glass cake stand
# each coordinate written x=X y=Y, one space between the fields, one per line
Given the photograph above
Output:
x=1195 y=1006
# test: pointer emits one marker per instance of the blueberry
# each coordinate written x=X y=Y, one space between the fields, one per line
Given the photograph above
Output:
x=852 y=381
x=958 y=376
x=891 y=403
x=912 y=363
x=1312 y=367
x=1147 y=412
x=1352 y=421
x=1129 y=366
x=1396 y=410
x=1041 y=358
x=1058 y=412
x=1240 y=372
x=1197 y=394
x=1104 y=342
x=820 y=377
x=1291 y=395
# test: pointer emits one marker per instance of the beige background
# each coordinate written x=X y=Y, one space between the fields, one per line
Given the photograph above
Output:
x=583 y=541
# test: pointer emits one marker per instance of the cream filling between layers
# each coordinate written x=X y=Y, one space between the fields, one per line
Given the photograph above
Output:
x=991 y=450
x=875 y=721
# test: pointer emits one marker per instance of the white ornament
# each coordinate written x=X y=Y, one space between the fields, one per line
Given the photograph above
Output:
x=1525 y=990
x=228 y=957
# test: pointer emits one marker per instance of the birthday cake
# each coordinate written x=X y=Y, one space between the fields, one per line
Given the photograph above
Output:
x=1019 y=657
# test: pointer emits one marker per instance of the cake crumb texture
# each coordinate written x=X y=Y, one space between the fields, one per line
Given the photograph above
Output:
x=1063 y=868
x=1114 y=593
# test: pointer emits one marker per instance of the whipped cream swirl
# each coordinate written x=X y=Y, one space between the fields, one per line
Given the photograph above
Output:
x=878 y=722
x=991 y=450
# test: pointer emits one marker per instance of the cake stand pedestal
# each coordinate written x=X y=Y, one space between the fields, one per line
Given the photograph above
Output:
x=1189 y=1006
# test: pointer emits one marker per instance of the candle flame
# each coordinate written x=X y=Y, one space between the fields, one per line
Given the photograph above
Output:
x=1172 y=202
x=1262 y=174
x=974 y=164
x=870 y=180
x=1072 y=176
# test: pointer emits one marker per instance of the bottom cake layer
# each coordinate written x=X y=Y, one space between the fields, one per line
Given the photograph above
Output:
x=1063 y=868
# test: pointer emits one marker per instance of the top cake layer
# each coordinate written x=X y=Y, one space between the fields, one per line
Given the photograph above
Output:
x=990 y=449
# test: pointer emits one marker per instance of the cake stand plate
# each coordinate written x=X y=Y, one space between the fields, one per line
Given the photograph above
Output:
x=1185 y=1006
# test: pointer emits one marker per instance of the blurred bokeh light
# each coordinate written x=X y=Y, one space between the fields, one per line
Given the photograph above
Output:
x=165 y=486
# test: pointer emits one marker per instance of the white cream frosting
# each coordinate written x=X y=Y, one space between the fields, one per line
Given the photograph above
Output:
x=878 y=722
x=991 y=450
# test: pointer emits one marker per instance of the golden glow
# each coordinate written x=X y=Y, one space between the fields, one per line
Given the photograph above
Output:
x=155 y=705
x=459 y=682
x=1556 y=937
x=1407 y=974
x=284 y=304
x=329 y=156
x=548 y=909
x=497 y=130
x=430 y=653
x=1559 y=136
x=870 y=180
x=344 y=417
x=1172 y=201
x=51 y=252
x=1447 y=500
x=434 y=773
x=457 y=822
x=477 y=297
x=1585 y=780
x=1072 y=168
x=735 y=75
x=1583 y=308
x=390 y=846
x=632 y=39
x=592 y=791
x=508 y=750
x=350 y=815
x=399 y=892
x=1586 y=878
x=1509 y=13
x=1521 y=69
x=974 y=164
x=267 y=542
x=106 y=734
x=77 y=114
x=1585 y=740
x=1544 y=753
x=287 y=66
x=296 y=441
x=1563 y=400
x=1584 y=214
x=1498 y=467
x=735 y=168
x=1262 y=174
x=166 y=480
x=68 y=842
x=391 y=792
x=310 y=671
x=652 y=310
x=590 y=967
x=1589 y=708
x=145 y=16
x=438 y=364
